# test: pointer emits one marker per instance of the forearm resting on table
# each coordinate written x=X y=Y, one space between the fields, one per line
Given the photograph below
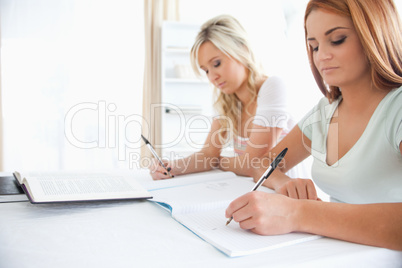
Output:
x=238 y=164
x=196 y=162
x=371 y=224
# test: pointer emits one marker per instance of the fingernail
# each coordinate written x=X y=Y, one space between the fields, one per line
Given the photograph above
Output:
x=165 y=173
x=172 y=176
x=169 y=169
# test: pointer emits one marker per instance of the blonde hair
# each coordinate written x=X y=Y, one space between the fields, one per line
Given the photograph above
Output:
x=226 y=33
x=379 y=29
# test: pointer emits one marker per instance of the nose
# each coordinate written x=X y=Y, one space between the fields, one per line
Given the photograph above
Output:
x=323 y=53
x=213 y=75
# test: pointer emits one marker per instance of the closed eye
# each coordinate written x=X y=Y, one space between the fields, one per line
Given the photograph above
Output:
x=217 y=63
x=340 y=41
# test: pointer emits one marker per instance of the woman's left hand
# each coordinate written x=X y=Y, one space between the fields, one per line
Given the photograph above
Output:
x=298 y=189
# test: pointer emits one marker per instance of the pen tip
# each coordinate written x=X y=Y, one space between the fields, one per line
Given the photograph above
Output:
x=279 y=158
x=145 y=140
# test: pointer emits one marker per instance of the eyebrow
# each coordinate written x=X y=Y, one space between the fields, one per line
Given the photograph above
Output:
x=328 y=32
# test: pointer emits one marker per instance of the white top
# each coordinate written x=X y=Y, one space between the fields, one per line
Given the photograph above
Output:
x=272 y=110
x=272 y=106
x=371 y=171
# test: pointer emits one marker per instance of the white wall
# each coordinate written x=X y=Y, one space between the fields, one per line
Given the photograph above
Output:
x=60 y=54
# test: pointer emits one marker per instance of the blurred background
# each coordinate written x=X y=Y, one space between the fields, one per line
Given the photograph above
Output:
x=72 y=74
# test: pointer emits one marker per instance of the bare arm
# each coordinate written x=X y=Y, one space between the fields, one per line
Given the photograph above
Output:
x=298 y=149
x=260 y=141
x=371 y=224
x=204 y=160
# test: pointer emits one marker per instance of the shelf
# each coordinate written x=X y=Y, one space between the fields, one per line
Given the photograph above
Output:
x=185 y=81
x=187 y=97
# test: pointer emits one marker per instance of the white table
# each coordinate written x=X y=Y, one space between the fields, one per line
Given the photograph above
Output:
x=141 y=234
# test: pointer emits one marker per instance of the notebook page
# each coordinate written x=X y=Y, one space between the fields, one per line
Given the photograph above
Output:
x=231 y=239
x=188 y=179
x=203 y=196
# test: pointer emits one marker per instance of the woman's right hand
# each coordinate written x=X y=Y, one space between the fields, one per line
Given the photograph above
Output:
x=158 y=172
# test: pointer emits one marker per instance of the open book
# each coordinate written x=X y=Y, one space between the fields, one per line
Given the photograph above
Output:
x=201 y=208
x=75 y=187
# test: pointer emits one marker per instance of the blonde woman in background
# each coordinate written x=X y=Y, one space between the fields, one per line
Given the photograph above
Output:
x=251 y=106
x=354 y=133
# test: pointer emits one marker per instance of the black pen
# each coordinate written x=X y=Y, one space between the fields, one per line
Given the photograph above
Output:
x=266 y=174
x=156 y=155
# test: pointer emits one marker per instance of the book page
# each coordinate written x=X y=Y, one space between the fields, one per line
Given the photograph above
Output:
x=231 y=239
x=18 y=176
x=77 y=187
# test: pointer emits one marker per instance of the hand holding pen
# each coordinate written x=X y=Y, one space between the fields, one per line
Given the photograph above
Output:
x=157 y=157
x=266 y=174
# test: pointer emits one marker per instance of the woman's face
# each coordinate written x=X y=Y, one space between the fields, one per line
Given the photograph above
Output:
x=224 y=72
x=337 y=52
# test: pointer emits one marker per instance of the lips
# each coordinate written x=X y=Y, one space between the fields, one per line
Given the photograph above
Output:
x=220 y=85
x=327 y=69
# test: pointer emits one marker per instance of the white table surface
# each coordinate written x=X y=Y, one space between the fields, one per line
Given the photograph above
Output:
x=142 y=234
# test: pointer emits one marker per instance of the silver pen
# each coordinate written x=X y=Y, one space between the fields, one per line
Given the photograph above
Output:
x=156 y=155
